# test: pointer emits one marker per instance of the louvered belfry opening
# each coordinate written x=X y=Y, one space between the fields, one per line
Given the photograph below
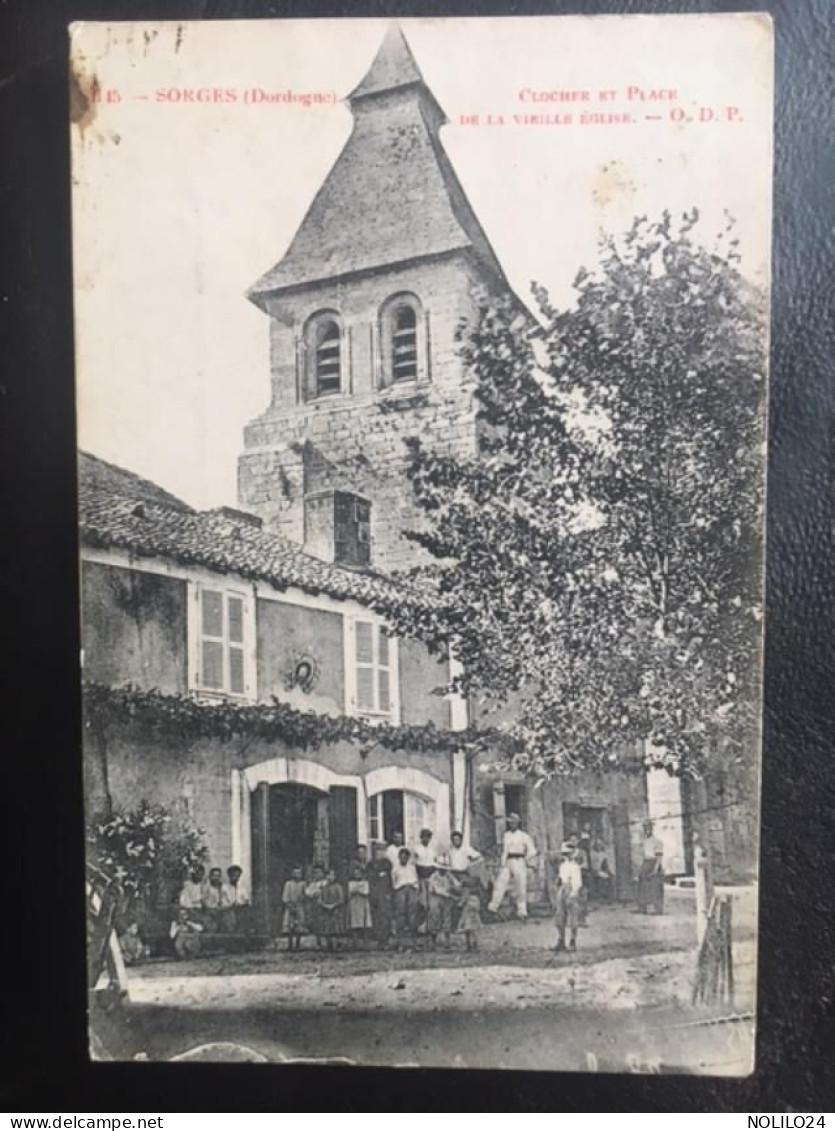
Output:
x=404 y=344
x=328 y=358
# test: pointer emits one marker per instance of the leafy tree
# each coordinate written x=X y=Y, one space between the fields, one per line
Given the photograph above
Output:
x=598 y=563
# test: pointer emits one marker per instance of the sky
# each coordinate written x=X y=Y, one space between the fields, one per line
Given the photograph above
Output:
x=179 y=206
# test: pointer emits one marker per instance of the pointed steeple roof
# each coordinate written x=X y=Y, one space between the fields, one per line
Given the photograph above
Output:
x=394 y=66
x=392 y=195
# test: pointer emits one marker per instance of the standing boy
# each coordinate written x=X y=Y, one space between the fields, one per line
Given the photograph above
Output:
x=404 y=880
x=569 y=889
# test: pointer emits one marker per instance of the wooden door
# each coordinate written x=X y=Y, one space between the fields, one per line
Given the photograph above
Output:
x=260 y=824
x=343 y=830
x=292 y=829
x=621 y=835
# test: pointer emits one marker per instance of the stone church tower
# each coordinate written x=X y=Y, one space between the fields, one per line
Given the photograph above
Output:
x=363 y=309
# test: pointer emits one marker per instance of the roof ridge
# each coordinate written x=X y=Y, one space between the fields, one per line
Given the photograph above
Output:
x=108 y=518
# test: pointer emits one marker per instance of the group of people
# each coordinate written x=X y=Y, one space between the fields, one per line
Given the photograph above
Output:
x=408 y=891
x=572 y=879
x=400 y=893
x=206 y=904
x=209 y=904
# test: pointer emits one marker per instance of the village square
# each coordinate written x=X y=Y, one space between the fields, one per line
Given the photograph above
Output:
x=348 y=801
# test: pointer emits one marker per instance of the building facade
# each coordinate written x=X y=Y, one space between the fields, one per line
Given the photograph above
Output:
x=206 y=610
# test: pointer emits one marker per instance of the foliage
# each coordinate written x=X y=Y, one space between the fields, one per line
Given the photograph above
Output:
x=181 y=853
x=599 y=560
x=270 y=722
x=126 y=845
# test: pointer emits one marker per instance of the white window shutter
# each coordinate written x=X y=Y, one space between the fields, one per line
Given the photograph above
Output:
x=350 y=666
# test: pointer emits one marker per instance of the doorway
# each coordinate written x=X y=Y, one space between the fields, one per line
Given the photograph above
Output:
x=297 y=826
x=610 y=825
x=298 y=823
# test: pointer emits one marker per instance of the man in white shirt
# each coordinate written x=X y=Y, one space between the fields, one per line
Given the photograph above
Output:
x=404 y=880
x=518 y=850
x=651 y=876
x=234 y=901
x=191 y=895
x=569 y=889
x=460 y=858
x=393 y=849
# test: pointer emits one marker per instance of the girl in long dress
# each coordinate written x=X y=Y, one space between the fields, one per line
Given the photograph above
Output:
x=469 y=921
x=359 y=906
x=331 y=910
x=312 y=903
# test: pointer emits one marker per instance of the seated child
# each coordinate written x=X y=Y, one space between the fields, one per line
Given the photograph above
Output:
x=185 y=933
x=292 y=897
x=133 y=948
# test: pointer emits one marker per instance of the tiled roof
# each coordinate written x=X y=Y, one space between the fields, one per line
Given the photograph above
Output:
x=392 y=195
x=122 y=511
x=95 y=472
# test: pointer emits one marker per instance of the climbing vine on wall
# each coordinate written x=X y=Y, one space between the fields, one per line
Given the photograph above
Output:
x=271 y=722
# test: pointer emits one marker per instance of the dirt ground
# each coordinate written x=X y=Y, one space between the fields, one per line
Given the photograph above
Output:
x=626 y=992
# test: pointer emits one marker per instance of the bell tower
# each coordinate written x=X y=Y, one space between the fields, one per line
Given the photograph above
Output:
x=363 y=308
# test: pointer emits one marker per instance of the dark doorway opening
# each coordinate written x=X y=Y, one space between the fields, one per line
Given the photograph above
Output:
x=611 y=827
x=294 y=817
x=297 y=826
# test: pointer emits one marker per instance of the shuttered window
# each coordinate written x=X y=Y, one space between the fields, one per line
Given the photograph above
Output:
x=221 y=664
x=373 y=668
x=404 y=344
x=328 y=358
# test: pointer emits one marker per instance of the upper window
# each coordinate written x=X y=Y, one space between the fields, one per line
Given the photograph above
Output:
x=404 y=344
x=324 y=370
x=372 y=670
x=328 y=360
x=221 y=641
x=402 y=328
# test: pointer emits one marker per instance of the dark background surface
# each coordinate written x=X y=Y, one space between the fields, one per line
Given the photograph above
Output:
x=44 y=1066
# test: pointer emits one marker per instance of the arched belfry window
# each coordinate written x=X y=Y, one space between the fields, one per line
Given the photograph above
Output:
x=325 y=360
x=328 y=359
x=404 y=344
x=402 y=335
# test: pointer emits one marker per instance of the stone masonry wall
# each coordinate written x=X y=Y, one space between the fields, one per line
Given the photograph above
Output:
x=355 y=439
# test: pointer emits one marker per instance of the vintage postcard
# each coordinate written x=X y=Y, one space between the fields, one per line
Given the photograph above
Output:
x=422 y=384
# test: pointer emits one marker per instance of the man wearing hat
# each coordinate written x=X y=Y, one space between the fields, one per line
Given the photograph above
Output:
x=518 y=850
x=569 y=889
